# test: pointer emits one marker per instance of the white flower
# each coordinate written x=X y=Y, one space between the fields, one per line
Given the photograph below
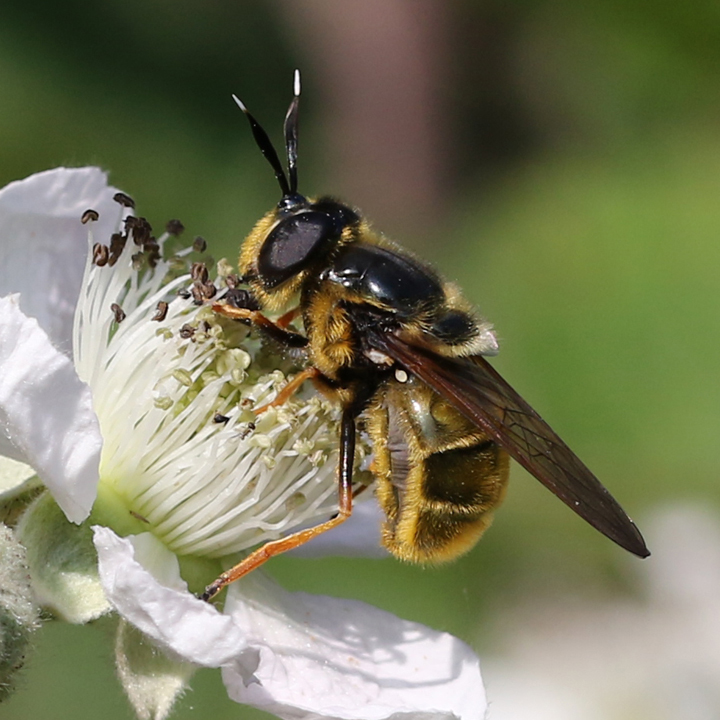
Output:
x=145 y=426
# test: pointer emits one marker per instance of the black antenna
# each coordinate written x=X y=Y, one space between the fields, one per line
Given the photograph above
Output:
x=291 y=134
x=266 y=148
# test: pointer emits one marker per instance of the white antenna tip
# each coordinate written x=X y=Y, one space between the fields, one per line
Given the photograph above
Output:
x=296 y=83
x=240 y=103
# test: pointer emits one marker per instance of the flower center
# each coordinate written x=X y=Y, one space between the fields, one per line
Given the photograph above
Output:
x=174 y=387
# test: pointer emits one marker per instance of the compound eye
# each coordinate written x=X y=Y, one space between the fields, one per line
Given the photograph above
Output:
x=295 y=244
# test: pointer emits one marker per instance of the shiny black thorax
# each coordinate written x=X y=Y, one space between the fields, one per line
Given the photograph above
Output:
x=326 y=243
x=385 y=279
x=347 y=281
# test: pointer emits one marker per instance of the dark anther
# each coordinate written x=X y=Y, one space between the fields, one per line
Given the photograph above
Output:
x=124 y=200
x=174 y=227
x=152 y=252
x=161 y=313
x=89 y=215
x=100 y=254
x=184 y=294
x=232 y=281
x=203 y=291
x=118 y=312
x=117 y=245
x=187 y=331
x=141 y=231
x=198 y=294
x=138 y=260
x=199 y=272
x=220 y=418
x=250 y=427
x=199 y=244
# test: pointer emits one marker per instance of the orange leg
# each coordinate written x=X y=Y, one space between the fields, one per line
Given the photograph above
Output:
x=236 y=313
x=284 y=320
x=255 y=317
x=275 y=547
x=290 y=389
x=278 y=331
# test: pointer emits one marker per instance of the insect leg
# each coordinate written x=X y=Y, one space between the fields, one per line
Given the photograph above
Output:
x=360 y=489
x=271 y=329
x=290 y=389
x=275 y=547
x=284 y=320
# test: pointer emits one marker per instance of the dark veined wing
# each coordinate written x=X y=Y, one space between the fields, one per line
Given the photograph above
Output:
x=476 y=390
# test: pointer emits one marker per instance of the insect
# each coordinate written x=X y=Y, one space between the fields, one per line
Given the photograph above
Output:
x=402 y=351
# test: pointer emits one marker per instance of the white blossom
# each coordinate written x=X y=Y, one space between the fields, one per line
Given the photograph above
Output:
x=143 y=427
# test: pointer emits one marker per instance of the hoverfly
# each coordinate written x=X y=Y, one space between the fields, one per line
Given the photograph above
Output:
x=398 y=347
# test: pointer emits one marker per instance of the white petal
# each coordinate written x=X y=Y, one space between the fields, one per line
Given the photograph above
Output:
x=43 y=244
x=46 y=414
x=173 y=618
x=359 y=536
x=322 y=657
x=162 y=564
x=296 y=655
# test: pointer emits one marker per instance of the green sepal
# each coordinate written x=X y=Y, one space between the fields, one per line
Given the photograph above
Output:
x=152 y=680
x=19 y=615
x=63 y=563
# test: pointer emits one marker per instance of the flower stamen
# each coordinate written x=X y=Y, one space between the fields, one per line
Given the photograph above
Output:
x=182 y=447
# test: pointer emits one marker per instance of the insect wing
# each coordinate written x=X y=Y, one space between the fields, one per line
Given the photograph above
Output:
x=476 y=390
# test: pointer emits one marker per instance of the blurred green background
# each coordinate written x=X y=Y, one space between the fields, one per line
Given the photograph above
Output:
x=560 y=160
